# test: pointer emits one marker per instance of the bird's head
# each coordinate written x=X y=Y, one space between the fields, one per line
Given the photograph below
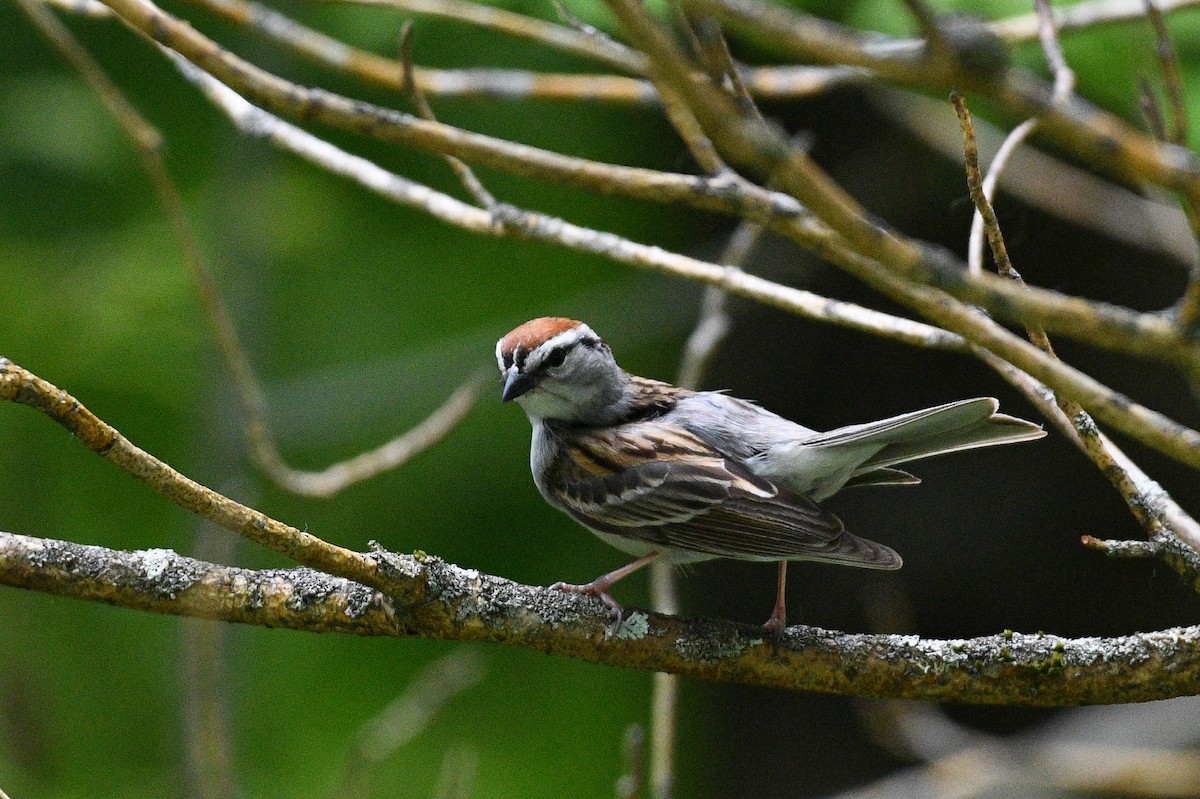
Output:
x=559 y=369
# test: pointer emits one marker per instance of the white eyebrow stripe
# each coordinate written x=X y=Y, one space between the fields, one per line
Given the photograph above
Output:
x=566 y=338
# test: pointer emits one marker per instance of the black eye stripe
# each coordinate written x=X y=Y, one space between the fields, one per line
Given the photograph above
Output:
x=555 y=358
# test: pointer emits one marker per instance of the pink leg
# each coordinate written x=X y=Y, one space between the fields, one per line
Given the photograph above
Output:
x=778 y=618
x=599 y=587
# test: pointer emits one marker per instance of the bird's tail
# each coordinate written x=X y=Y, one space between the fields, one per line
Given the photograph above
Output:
x=955 y=426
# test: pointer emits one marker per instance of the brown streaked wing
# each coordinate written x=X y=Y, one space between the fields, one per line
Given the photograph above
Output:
x=663 y=485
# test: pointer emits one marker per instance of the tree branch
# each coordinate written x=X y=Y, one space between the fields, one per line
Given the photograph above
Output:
x=163 y=581
x=451 y=603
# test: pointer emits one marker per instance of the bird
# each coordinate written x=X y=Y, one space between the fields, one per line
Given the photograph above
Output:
x=663 y=472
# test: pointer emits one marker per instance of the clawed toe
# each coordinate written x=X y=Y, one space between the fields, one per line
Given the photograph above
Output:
x=598 y=591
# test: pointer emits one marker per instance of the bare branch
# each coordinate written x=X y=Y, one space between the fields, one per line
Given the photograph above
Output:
x=163 y=581
x=1077 y=125
x=466 y=176
x=1188 y=308
x=285 y=97
x=1098 y=323
x=753 y=144
x=785 y=82
x=451 y=603
x=20 y=386
x=434 y=599
x=339 y=476
x=256 y=122
x=407 y=716
x=889 y=262
x=249 y=391
x=1079 y=16
x=560 y=37
x=1064 y=84
x=1144 y=507
x=1111 y=407
x=1153 y=223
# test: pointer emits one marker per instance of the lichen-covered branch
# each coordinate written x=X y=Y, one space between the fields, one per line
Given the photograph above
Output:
x=163 y=581
x=451 y=603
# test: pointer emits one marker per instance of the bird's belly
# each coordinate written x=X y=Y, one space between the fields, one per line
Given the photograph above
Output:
x=638 y=547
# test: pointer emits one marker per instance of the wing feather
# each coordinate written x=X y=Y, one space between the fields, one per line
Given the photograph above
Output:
x=663 y=485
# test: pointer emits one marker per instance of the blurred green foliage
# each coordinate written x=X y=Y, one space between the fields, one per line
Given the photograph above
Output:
x=360 y=317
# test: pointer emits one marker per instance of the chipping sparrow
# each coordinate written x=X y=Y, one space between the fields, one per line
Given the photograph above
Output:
x=661 y=471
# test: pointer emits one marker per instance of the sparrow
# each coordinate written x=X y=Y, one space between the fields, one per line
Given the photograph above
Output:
x=659 y=471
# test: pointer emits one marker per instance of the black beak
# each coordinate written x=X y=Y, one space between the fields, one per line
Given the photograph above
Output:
x=516 y=383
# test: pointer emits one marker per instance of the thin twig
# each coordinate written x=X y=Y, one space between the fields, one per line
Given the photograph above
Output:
x=590 y=31
x=890 y=262
x=1064 y=84
x=927 y=21
x=337 y=477
x=512 y=84
x=631 y=784
x=1070 y=193
x=1145 y=509
x=1151 y=109
x=1096 y=322
x=1081 y=16
x=318 y=105
x=560 y=37
x=465 y=175
x=1187 y=313
x=1077 y=125
x=256 y=122
x=202 y=656
x=716 y=50
x=984 y=212
x=81 y=8
x=144 y=136
x=407 y=716
x=247 y=386
x=754 y=146
x=1040 y=396
x=1011 y=142
x=1168 y=63
x=1111 y=407
x=21 y=386
x=758 y=144
x=781 y=83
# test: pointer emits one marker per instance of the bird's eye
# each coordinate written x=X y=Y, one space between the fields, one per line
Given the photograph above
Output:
x=555 y=358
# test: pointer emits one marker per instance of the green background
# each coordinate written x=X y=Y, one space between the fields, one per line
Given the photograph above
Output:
x=361 y=317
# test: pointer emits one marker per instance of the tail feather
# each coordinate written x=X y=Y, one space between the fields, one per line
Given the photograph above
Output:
x=955 y=426
x=882 y=476
x=998 y=429
x=863 y=454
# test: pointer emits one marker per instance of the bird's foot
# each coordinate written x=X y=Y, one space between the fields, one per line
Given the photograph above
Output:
x=599 y=589
x=775 y=625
